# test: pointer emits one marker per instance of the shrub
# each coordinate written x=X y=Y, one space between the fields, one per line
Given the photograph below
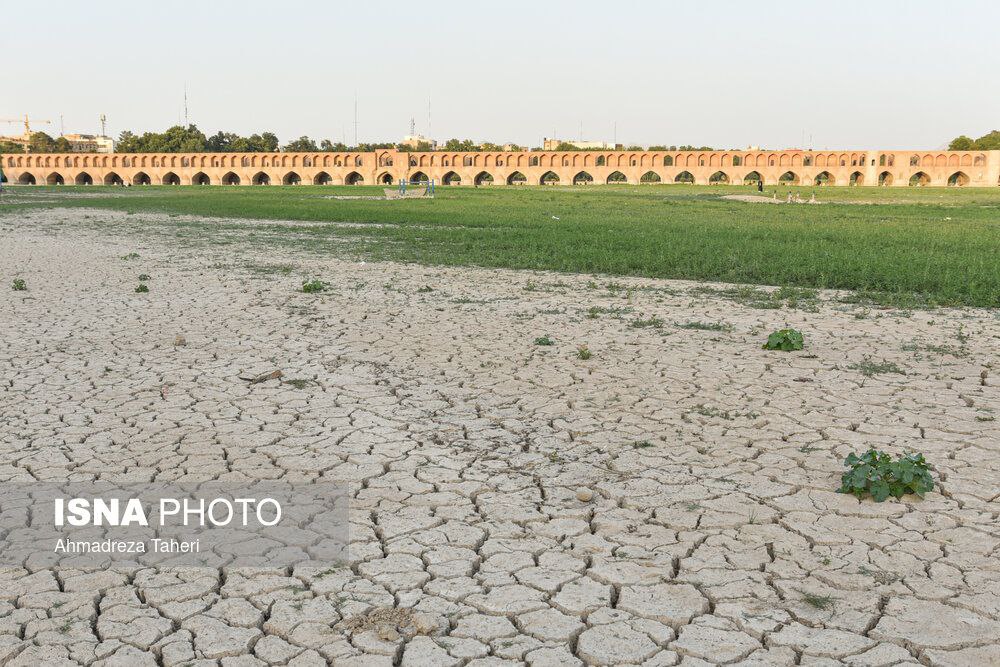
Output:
x=876 y=473
x=544 y=340
x=130 y=256
x=142 y=288
x=19 y=285
x=313 y=286
x=785 y=340
x=640 y=323
x=583 y=352
x=143 y=277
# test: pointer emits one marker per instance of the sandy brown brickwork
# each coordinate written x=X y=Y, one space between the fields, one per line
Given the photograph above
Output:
x=872 y=167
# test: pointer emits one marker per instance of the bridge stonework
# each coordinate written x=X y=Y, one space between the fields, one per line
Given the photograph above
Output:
x=792 y=167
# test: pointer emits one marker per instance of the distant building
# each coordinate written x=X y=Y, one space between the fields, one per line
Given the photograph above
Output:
x=553 y=145
x=90 y=143
x=414 y=141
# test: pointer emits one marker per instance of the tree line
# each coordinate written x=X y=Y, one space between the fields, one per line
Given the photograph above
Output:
x=987 y=142
x=180 y=139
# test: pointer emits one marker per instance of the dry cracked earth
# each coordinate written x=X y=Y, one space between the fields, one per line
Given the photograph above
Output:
x=669 y=500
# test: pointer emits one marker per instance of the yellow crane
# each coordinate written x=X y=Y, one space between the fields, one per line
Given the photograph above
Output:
x=27 y=123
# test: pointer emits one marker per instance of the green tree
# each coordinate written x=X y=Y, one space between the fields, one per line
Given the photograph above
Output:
x=330 y=147
x=301 y=145
x=40 y=142
x=962 y=143
x=465 y=145
x=989 y=142
x=10 y=147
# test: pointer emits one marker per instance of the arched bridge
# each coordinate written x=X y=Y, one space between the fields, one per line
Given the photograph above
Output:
x=793 y=167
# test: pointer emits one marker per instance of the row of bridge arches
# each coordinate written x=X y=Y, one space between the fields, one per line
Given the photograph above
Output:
x=919 y=178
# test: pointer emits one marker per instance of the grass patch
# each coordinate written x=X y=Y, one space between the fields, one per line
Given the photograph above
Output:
x=654 y=322
x=705 y=326
x=870 y=368
x=904 y=248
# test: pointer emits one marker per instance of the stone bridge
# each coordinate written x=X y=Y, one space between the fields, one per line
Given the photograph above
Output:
x=384 y=167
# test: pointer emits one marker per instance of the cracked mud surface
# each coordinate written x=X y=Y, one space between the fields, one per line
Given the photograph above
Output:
x=667 y=501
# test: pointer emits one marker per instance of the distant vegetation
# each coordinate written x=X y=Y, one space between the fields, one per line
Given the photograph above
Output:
x=987 y=142
x=40 y=143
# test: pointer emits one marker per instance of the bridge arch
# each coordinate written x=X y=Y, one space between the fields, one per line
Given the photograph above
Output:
x=517 y=178
x=650 y=177
x=549 y=178
x=291 y=178
x=684 y=177
x=55 y=178
x=958 y=179
x=260 y=178
x=170 y=178
x=419 y=177
x=451 y=178
x=857 y=178
x=113 y=179
x=583 y=178
x=201 y=178
x=483 y=178
x=920 y=179
x=385 y=178
x=885 y=178
x=230 y=178
x=354 y=178
x=26 y=178
x=824 y=178
x=718 y=177
x=322 y=178
x=83 y=178
x=616 y=178
x=753 y=178
x=788 y=178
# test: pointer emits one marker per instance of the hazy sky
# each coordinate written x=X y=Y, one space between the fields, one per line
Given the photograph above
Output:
x=848 y=74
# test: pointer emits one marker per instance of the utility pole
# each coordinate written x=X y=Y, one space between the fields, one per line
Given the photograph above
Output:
x=62 y=128
x=355 y=118
x=104 y=122
x=185 y=104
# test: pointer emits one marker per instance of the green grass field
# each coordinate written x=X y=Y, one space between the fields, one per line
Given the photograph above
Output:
x=917 y=246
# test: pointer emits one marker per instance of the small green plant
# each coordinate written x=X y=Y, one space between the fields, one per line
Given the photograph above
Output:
x=313 y=286
x=425 y=289
x=19 y=285
x=130 y=256
x=583 y=352
x=876 y=473
x=786 y=340
x=142 y=288
x=642 y=444
x=544 y=340
x=870 y=368
x=822 y=602
x=706 y=326
x=143 y=277
x=654 y=322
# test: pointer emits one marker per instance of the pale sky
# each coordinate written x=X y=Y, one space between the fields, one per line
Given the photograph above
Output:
x=848 y=74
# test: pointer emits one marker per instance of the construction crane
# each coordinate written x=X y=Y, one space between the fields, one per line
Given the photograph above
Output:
x=27 y=123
